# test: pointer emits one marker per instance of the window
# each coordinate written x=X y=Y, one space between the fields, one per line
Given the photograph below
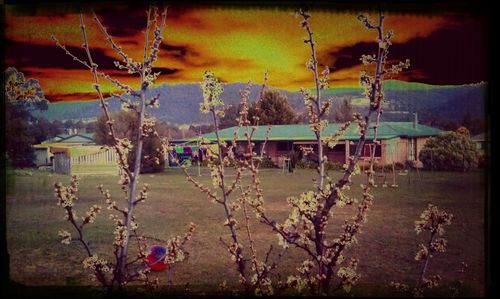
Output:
x=412 y=149
x=283 y=147
x=367 y=149
x=257 y=147
x=339 y=148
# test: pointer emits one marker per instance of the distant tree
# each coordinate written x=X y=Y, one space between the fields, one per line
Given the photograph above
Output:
x=79 y=126
x=273 y=109
x=57 y=126
x=467 y=120
x=463 y=131
x=42 y=129
x=69 y=124
x=19 y=138
x=473 y=124
x=90 y=127
x=125 y=125
x=437 y=121
x=341 y=111
x=229 y=119
x=450 y=151
x=23 y=96
x=27 y=94
x=168 y=130
x=202 y=128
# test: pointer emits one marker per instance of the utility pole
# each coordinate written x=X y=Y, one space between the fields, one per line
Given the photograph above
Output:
x=199 y=152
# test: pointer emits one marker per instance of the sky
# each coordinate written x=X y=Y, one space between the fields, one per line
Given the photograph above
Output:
x=239 y=44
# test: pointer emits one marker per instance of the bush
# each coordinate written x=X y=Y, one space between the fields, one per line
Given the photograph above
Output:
x=267 y=163
x=386 y=167
x=450 y=151
x=399 y=166
x=306 y=164
x=334 y=166
x=481 y=161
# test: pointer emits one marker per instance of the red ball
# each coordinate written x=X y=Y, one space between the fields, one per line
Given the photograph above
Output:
x=155 y=264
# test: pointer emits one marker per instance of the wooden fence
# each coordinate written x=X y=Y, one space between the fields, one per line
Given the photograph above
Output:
x=61 y=163
x=103 y=162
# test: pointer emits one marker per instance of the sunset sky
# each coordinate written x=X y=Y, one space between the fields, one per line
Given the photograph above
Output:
x=239 y=44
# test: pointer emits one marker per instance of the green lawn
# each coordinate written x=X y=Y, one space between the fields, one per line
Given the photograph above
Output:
x=386 y=247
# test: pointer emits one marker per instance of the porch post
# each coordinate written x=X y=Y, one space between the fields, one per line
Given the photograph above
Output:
x=347 y=151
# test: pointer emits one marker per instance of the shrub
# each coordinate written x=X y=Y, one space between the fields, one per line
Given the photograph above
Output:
x=334 y=166
x=399 y=166
x=267 y=163
x=386 y=167
x=306 y=164
x=450 y=151
x=481 y=161
x=309 y=164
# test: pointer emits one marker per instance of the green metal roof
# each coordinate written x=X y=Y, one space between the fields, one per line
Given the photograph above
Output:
x=86 y=136
x=386 y=130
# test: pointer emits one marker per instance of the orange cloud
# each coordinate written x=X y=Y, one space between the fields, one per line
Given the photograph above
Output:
x=238 y=43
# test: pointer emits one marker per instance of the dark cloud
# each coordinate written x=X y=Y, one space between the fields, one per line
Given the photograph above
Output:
x=186 y=14
x=191 y=57
x=126 y=21
x=28 y=55
x=450 y=55
x=165 y=70
x=50 y=56
x=175 y=51
x=129 y=42
x=32 y=74
x=347 y=57
x=76 y=96
x=123 y=74
x=122 y=22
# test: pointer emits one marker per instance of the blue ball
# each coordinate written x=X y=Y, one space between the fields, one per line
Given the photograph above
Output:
x=158 y=251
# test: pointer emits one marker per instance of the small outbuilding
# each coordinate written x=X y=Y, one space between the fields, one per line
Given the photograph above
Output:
x=76 y=154
x=43 y=155
x=480 y=140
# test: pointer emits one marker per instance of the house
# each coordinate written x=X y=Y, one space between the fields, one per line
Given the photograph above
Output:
x=43 y=155
x=399 y=142
x=76 y=154
x=481 y=143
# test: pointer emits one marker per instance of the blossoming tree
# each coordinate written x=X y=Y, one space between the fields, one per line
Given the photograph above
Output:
x=306 y=226
x=431 y=220
x=125 y=269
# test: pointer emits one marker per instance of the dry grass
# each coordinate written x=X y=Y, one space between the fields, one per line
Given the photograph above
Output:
x=386 y=246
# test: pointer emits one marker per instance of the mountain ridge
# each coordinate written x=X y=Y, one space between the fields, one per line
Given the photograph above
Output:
x=179 y=103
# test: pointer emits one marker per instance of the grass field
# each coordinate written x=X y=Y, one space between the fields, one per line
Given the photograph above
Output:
x=386 y=248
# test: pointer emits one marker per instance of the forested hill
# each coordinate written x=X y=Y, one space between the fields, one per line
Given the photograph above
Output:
x=179 y=103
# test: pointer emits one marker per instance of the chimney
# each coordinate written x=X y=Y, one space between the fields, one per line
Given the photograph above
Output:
x=415 y=120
